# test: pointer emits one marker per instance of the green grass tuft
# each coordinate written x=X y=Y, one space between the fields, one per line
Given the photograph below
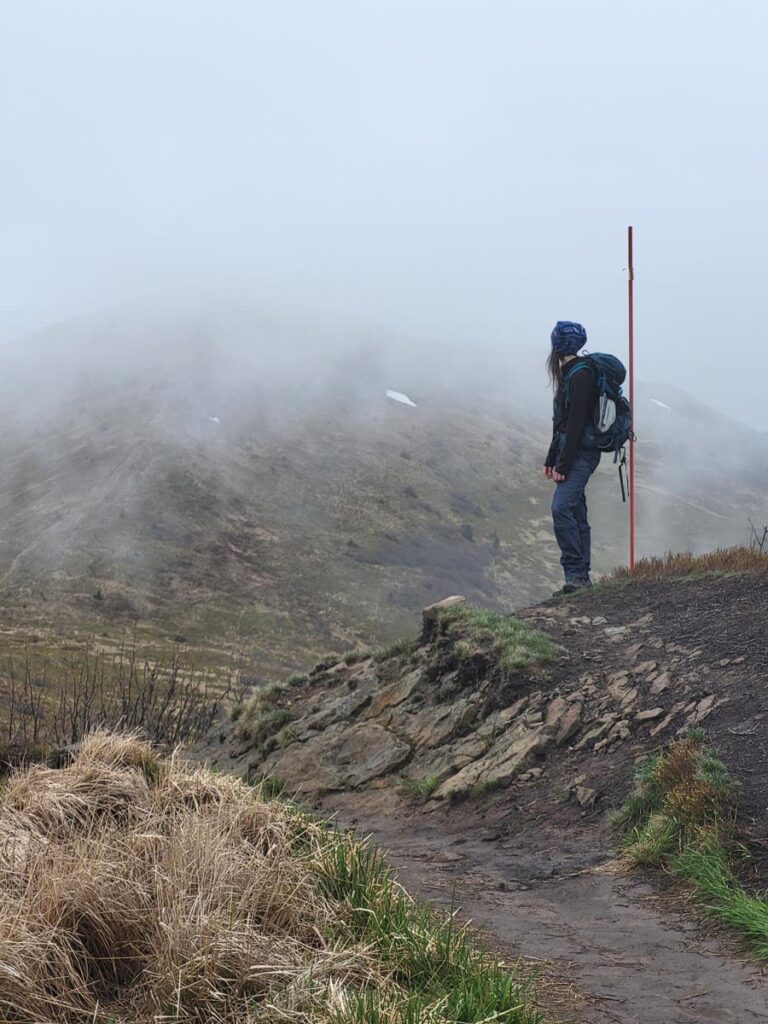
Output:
x=476 y=790
x=721 y=896
x=682 y=817
x=271 y=787
x=401 y=649
x=422 y=788
x=263 y=716
x=473 y=632
x=354 y=657
x=513 y=644
x=437 y=972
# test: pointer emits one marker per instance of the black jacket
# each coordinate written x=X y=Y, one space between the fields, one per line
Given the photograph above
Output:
x=570 y=418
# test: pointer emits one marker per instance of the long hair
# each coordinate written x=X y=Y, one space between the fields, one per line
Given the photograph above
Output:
x=554 y=370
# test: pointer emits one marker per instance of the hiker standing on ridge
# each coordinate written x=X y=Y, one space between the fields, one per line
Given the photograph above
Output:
x=572 y=456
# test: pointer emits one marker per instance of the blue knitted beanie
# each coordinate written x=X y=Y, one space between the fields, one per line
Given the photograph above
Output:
x=568 y=338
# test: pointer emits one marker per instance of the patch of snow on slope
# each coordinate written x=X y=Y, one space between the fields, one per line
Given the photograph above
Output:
x=398 y=396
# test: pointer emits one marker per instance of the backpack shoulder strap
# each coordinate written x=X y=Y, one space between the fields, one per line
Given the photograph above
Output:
x=582 y=363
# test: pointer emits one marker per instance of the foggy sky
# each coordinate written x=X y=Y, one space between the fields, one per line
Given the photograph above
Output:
x=462 y=170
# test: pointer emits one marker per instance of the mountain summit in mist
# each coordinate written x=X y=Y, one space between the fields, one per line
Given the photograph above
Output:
x=230 y=473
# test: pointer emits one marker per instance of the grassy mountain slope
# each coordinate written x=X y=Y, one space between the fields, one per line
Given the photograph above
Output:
x=242 y=480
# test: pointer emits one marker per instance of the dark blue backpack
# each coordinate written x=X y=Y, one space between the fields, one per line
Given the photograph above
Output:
x=611 y=426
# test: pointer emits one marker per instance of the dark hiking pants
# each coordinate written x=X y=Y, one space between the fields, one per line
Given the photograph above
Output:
x=569 y=517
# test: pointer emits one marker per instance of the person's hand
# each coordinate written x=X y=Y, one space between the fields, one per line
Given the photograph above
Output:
x=558 y=477
x=548 y=471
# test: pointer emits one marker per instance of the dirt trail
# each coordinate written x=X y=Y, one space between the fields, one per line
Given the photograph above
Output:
x=634 y=960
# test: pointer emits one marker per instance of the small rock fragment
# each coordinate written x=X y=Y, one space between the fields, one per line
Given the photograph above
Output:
x=702 y=709
x=449 y=857
x=447 y=602
x=661 y=684
x=570 y=788
x=569 y=725
x=615 y=735
x=431 y=614
x=650 y=715
x=674 y=710
x=646 y=667
x=585 y=797
x=748 y=727
x=555 y=712
x=490 y=835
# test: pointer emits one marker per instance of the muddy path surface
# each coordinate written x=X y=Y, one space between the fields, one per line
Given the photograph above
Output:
x=606 y=934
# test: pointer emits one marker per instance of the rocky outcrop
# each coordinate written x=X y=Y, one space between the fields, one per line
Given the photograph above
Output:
x=340 y=757
x=446 y=716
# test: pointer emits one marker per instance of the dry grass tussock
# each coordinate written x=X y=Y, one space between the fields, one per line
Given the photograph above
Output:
x=725 y=561
x=137 y=889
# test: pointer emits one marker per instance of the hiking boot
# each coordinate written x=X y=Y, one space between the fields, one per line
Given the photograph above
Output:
x=573 y=587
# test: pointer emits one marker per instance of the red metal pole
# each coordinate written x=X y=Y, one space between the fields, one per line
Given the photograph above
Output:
x=631 y=269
